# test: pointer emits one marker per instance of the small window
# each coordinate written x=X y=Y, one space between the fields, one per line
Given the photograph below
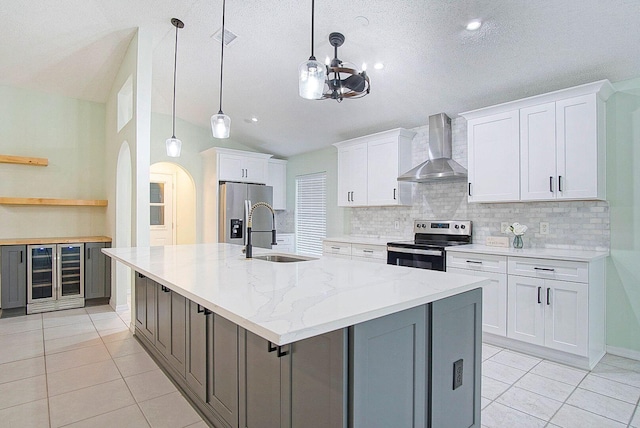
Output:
x=311 y=213
x=156 y=198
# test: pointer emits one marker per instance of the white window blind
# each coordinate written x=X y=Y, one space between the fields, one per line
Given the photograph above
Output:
x=311 y=213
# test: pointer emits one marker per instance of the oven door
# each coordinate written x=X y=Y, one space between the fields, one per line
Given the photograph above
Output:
x=416 y=257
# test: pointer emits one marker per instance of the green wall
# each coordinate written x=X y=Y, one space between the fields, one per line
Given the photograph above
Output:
x=70 y=133
x=325 y=160
x=623 y=194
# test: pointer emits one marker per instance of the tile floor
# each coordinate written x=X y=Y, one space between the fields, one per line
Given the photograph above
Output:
x=83 y=368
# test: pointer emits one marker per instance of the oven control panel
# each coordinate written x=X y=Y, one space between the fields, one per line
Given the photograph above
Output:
x=443 y=227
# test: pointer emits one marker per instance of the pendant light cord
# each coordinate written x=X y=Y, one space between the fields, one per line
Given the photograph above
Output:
x=175 y=64
x=222 y=55
x=312 y=27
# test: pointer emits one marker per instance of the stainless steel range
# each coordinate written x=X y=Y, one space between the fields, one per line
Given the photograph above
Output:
x=426 y=251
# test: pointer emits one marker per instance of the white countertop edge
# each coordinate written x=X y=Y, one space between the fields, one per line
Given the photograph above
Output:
x=348 y=239
x=536 y=253
x=303 y=333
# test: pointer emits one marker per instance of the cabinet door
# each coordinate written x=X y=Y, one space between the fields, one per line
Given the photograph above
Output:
x=278 y=180
x=196 y=367
x=95 y=265
x=566 y=316
x=389 y=370
x=163 y=327
x=141 y=301
x=223 y=369
x=260 y=384
x=382 y=166
x=255 y=170
x=494 y=158
x=538 y=152
x=231 y=167
x=352 y=175
x=150 y=320
x=178 y=352
x=577 y=145
x=494 y=300
x=319 y=381
x=456 y=342
x=14 y=276
x=526 y=309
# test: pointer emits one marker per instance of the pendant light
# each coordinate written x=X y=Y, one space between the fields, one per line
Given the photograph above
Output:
x=311 y=73
x=173 y=144
x=221 y=123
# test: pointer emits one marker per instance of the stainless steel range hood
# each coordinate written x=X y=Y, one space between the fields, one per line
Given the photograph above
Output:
x=439 y=166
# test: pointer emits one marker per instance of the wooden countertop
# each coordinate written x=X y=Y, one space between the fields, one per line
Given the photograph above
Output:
x=59 y=240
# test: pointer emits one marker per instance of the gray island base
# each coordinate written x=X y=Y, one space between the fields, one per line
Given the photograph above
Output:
x=419 y=367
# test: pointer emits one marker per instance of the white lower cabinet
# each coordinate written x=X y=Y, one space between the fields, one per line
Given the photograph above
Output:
x=551 y=308
x=494 y=294
x=549 y=312
x=375 y=253
x=286 y=243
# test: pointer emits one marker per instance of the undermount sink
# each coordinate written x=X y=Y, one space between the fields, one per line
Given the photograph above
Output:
x=283 y=258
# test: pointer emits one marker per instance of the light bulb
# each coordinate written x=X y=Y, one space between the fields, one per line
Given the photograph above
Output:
x=312 y=75
x=173 y=147
x=220 y=125
x=474 y=25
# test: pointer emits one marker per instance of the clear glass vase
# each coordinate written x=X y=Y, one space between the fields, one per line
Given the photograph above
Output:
x=517 y=241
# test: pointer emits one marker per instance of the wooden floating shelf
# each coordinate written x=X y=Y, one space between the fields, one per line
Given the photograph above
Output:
x=22 y=160
x=50 y=201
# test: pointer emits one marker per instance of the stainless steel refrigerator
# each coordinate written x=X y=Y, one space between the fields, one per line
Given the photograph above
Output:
x=234 y=204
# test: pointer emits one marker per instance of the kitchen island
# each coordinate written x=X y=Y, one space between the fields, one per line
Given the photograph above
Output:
x=323 y=342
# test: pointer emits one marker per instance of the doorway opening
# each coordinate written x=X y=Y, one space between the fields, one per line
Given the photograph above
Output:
x=172 y=199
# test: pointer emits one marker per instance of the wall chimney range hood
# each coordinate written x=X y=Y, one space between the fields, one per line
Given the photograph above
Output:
x=439 y=166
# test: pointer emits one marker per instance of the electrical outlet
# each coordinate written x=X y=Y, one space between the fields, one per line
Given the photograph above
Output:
x=457 y=374
x=503 y=227
x=396 y=225
x=544 y=228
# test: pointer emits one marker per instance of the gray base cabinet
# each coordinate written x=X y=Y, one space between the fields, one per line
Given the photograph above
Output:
x=416 y=368
x=97 y=271
x=14 y=276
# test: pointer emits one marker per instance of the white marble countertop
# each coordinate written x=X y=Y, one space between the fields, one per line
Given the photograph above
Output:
x=538 y=253
x=348 y=239
x=286 y=302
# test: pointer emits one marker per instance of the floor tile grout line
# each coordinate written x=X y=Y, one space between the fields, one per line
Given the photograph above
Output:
x=46 y=374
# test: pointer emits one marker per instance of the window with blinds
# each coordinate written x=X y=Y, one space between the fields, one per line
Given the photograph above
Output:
x=311 y=213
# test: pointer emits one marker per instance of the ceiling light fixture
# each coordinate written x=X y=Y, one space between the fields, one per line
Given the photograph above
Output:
x=474 y=24
x=346 y=82
x=378 y=66
x=174 y=145
x=311 y=73
x=221 y=123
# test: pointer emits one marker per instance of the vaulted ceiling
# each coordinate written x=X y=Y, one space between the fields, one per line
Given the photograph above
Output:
x=432 y=63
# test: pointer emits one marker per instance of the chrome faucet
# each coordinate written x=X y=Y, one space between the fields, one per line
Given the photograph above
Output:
x=249 y=247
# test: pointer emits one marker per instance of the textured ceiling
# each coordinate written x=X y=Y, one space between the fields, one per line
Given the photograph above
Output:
x=432 y=63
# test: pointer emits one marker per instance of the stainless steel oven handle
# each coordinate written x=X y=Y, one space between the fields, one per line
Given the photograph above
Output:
x=414 y=251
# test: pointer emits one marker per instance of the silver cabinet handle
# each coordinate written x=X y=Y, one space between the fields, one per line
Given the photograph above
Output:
x=367 y=251
x=551 y=184
x=559 y=183
x=335 y=248
x=539 y=291
x=548 y=297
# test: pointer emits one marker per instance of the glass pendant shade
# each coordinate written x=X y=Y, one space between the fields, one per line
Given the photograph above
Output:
x=311 y=78
x=173 y=147
x=220 y=125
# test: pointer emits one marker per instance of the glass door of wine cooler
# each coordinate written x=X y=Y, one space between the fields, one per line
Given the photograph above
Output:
x=41 y=273
x=70 y=270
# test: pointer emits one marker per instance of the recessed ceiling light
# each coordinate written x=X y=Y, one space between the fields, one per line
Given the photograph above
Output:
x=474 y=24
x=378 y=66
x=254 y=119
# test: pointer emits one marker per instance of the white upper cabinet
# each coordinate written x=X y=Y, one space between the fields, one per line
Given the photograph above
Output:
x=494 y=169
x=352 y=175
x=240 y=166
x=558 y=151
x=369 y=166
x=278 y=180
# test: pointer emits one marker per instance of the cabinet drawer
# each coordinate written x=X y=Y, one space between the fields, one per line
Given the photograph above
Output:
x=285 y=239
x=369 y=251
x=549 y=269
x=477 y=262
x=336 y=248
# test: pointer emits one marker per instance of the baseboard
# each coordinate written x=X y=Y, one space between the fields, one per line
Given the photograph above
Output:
x=623 y=352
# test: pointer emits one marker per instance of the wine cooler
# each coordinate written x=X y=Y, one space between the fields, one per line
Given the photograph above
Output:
x=55 y=277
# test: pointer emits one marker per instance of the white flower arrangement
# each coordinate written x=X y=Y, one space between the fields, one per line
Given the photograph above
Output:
x=517 y=229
